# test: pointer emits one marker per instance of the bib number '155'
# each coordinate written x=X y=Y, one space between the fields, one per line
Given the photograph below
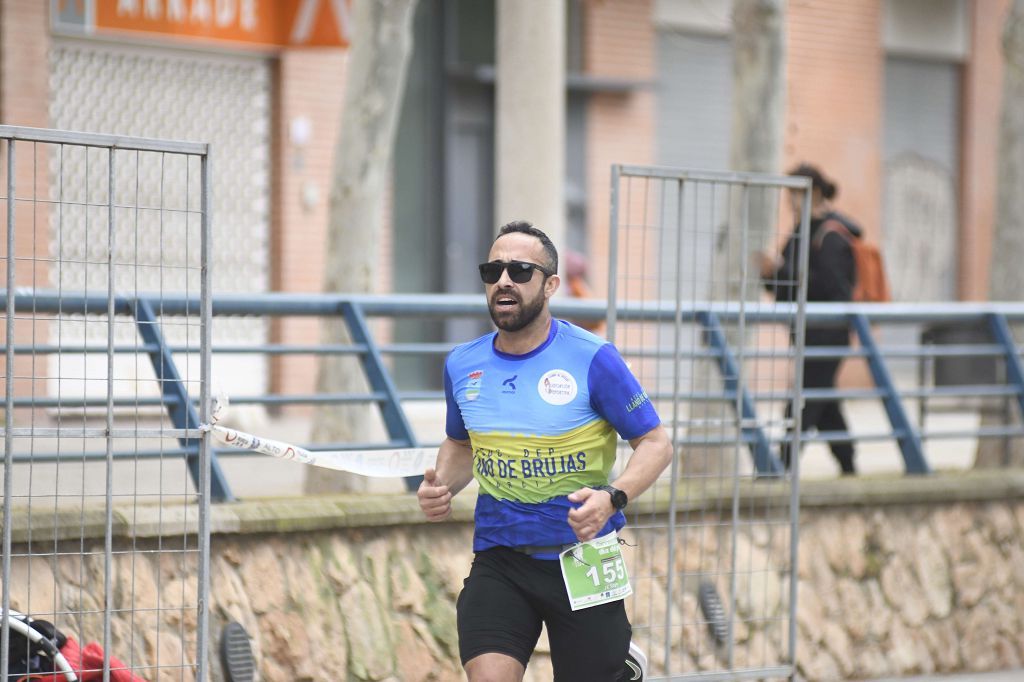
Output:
x=595 y=572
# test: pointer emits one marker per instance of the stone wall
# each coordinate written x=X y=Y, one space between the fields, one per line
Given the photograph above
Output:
x=895 y=577
x=906 y=590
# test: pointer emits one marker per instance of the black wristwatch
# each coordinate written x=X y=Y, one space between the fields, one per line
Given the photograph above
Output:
x=619 y=498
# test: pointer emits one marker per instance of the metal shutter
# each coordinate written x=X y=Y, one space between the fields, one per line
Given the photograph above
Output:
x=694 y=108
x=921 y=159
x=187 y=95
x=694 y=114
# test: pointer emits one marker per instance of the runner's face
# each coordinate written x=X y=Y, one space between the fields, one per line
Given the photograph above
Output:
x=514 y=306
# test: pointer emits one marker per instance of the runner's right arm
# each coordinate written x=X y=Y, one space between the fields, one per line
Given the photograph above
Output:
x=454 y=467
x=454 y=470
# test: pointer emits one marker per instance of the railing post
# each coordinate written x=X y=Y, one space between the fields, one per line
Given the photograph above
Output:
x=1003 y=335
x=765 y=462
x=907 y=436
x=182 y=412
x=399 y=430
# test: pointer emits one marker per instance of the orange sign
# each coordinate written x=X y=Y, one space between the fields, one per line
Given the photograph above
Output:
x=242 y=23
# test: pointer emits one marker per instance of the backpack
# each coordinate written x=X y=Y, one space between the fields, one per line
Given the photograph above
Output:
x=870 y=282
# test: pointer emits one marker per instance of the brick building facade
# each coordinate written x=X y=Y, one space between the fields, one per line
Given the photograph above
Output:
x=631 y=65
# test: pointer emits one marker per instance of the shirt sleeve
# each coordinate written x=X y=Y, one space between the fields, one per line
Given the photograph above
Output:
x=454 y=427
x=616 y=395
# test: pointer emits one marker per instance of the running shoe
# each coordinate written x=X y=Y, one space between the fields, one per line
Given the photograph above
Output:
x=636 y=665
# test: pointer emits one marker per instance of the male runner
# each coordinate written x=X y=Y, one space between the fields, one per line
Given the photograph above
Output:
x=533 y=412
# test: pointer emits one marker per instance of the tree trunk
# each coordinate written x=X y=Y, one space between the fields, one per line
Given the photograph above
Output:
x=381 y=45
x=759 y=96
x=1006 y=275
x=759 y=86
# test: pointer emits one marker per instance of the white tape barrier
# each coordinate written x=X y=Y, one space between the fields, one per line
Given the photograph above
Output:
x=374 y=463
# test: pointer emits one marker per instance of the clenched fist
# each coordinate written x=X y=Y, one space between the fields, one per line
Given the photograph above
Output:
x=434 y=497
x=588 y=520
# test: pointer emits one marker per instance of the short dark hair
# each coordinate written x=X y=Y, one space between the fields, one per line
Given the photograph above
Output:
x=827 y=188
x=525 y=227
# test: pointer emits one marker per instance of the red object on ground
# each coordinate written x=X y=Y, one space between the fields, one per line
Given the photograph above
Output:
x=92 y=666
x=88 y=664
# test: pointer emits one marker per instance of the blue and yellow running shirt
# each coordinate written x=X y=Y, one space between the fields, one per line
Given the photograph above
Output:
x=541 y=425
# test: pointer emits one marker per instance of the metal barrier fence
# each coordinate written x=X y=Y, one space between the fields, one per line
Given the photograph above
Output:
x=102 y=376
x=77 y=379
x=990 y=321
x=715 y=584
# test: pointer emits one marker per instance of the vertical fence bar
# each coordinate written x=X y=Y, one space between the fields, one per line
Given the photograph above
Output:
x=8 y=414
x=205 y=343
x=741 y=415
x=108 y=533
x=674 y=471
x=799 y=332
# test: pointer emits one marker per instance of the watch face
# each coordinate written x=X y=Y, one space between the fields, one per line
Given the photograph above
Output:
x=618 y=497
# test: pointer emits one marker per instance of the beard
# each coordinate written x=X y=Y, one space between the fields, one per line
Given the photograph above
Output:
x=520 y=316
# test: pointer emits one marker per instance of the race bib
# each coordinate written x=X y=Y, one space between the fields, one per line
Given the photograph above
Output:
x=594 y=572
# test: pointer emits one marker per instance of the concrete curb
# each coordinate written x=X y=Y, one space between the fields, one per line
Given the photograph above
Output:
x=305 y=514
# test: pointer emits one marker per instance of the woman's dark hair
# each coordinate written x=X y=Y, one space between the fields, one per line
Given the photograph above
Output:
x=819 y=182
x=524 y=227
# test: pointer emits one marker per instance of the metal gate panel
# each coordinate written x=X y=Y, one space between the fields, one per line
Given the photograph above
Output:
x=108 y=539
x=715 y=539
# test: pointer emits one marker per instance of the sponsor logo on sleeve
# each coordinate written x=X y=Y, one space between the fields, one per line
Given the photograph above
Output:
x=636 y=400
x=557 y=387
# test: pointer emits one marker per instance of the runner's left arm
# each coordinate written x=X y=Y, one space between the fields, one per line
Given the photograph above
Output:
x=617 y=396
x=652 y=452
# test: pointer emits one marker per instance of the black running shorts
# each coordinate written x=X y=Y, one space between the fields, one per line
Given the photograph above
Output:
x=506 y=598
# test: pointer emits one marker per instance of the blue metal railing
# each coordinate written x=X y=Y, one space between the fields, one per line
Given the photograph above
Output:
x=764 y=461
x=355 y=310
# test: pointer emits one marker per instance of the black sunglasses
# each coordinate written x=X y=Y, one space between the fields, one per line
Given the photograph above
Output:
x=519 y=271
